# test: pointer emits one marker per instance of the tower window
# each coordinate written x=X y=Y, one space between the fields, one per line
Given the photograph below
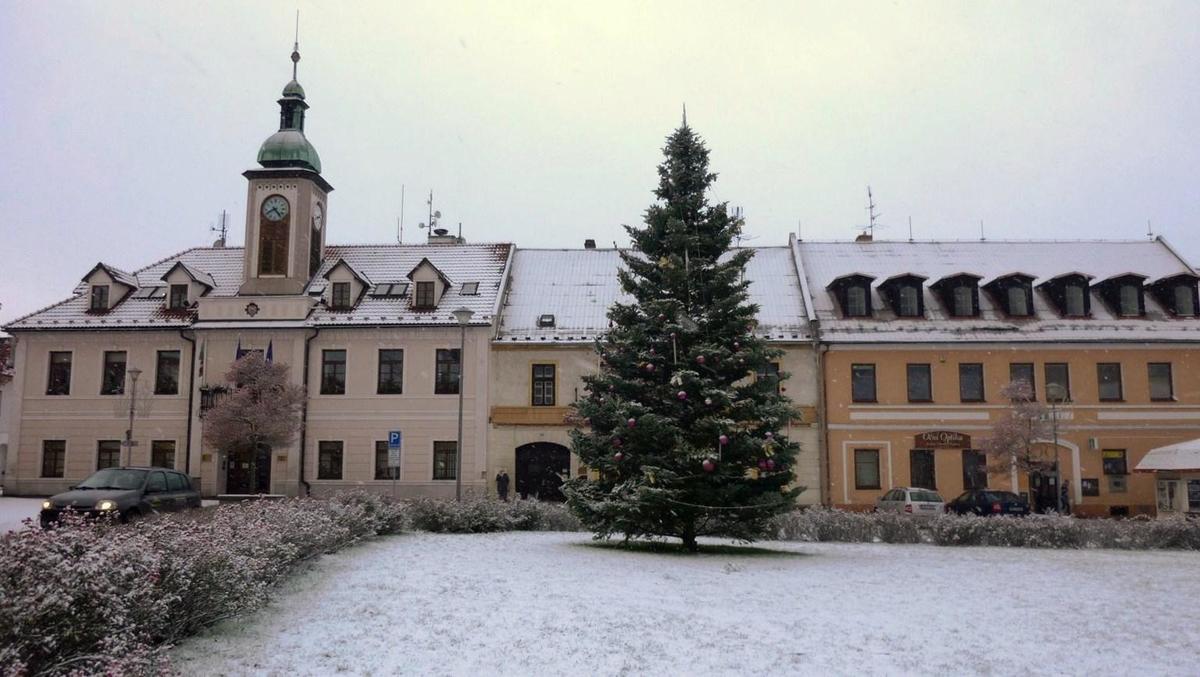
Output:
x=273 y=248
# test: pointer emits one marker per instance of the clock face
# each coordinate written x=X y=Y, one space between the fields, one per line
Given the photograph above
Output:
x=275 y=208
x=318 y=216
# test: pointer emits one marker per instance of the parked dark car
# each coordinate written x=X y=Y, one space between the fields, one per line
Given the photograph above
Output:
x=988 y=502
x=128 y=493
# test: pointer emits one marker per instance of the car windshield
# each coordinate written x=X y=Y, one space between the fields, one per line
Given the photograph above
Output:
x=114 y=478
x=923 y=496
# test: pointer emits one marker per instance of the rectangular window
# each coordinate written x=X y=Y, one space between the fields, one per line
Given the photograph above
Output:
x=1074 y=296
x=1185 y=300
x=862 y=382
x=975 y=474
x=1018 y=301
x=964 y=301
x=856 y=301
x=162 y=453
x=424 y=297
x=1058 y=382
x=54 y=458
x=391 y=371
x=770 y=371
x=445 y=462
x=108 y=454
x=921 y=468
x=1114 y=462
x=448 y=371
x=920 y=383
x=113 y=381
x=99 y=297
x=543 y=385
x=1022 y=372
x=866 y=468
x=329 y=460
x=1108 y=376
x=341 y=295
x=1193 y=495
x=333 y=372
x=1091 y=487
x=382 y=471
x=970 y=382
x=179 y=297
x=910 y=301
x=58 y=381
x=166 y=373
x=1161 y=388
x=1130 y=300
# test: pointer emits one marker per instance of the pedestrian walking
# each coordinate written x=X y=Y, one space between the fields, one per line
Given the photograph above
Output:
x=502 y=484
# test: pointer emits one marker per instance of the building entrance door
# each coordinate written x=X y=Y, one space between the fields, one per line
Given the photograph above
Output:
x=542 y=467
x=248 y=471
x=1043 y=493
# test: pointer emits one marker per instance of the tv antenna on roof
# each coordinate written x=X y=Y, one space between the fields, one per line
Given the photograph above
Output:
x=223 y=230
x=434 y=216
x=872 y=216
x=1149 y=230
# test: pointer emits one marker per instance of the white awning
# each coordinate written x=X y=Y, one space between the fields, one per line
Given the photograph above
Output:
x=1181 y=456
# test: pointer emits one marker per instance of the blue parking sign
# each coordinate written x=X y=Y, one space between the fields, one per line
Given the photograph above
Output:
x=394 y=438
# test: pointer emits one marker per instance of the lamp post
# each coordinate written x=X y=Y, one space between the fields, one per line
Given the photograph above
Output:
x=1055 y=394
x=134 y=373
x=463 y=315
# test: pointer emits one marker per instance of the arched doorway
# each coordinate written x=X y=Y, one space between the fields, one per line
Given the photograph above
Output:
x=248 y=471
x=542 y=467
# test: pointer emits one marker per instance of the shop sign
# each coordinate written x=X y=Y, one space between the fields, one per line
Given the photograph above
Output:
x=943 y=439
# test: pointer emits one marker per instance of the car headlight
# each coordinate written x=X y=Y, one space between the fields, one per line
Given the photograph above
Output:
x=47 y=504
x=106 y=504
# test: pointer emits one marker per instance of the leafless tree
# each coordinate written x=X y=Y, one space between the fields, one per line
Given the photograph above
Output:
x=262 y=409
x=1018 y=439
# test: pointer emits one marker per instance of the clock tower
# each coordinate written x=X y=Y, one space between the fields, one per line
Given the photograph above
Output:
x=286 y=204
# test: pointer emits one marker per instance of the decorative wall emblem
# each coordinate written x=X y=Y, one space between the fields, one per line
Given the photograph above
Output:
x=251 y=309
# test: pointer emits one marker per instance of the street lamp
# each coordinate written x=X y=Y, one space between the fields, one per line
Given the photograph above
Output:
x=463 y=315
x=134 y=373
x=1055 y=394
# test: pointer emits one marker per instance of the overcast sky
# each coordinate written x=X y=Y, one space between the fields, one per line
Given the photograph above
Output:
x=125 y=127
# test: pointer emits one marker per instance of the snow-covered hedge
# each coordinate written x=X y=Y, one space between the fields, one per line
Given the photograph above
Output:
x=477 y=514
x=92 y=597
x=1039 y=531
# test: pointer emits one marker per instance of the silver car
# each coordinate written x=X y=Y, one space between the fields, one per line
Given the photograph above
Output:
x=911 y=501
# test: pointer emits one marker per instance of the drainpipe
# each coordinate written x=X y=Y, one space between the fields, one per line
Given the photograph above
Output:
x=820 y=349
x=304 y=414
x=187 y=462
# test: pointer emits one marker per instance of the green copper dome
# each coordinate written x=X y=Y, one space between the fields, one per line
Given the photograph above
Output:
x=289 y=148
x=293 y=88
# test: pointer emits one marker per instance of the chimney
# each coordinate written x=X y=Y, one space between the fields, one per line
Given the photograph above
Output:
x=589 y=243
x=863 y=237
x=443 y=236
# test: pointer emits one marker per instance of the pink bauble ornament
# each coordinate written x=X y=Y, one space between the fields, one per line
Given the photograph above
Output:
x=618 y=457
x=708 y=401
x=611 y=388
x=770 y=435
x=616 y=441
x=649 y=367
x=672 y=334
x=631 y=422
x=736 y=345
x=661 y=318
x=762 y=464
x=700 y=359
x=723 y=439
x=708 y=465
x=681 y=395
x=587 y=420
x=770 y=464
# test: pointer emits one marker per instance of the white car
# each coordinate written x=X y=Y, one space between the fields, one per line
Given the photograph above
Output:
x=911 y=501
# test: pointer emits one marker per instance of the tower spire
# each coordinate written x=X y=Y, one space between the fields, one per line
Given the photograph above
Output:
x=296 y=46
x=685 y=114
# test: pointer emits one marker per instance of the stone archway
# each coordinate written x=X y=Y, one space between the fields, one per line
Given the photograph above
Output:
x=542 y=467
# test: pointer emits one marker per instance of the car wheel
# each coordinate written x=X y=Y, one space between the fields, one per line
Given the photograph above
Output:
x=131 y=515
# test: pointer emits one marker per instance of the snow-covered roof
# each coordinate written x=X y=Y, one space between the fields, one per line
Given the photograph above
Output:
x=482 y=263
x=824 y=262
x=197 y=275
x=577 y=286
x=115 y=273
x=1181 y=456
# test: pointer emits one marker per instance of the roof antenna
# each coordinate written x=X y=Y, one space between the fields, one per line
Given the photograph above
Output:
x=400 y=219
x=799 y=231
x=434 y=215
x=223 y=230
x=1149 y=230
x=981 y=237
x=871 y=214
x=910 y=237
x=296 y=46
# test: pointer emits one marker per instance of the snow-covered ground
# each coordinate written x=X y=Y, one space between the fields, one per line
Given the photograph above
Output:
x=13 y=510
x=530 y=603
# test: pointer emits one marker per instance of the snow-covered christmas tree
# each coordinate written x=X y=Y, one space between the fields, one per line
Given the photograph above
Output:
x=682 y=425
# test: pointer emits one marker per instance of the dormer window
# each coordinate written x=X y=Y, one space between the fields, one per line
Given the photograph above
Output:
x=1070 y=294
x=853 y=293
x=99 y=297
x=424 y=296
x=959 y=294
x=1177 y=294
x=1124 y=295
x=904 y=294
x=1013 y=293
x=179 y=297
x=340 y=296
